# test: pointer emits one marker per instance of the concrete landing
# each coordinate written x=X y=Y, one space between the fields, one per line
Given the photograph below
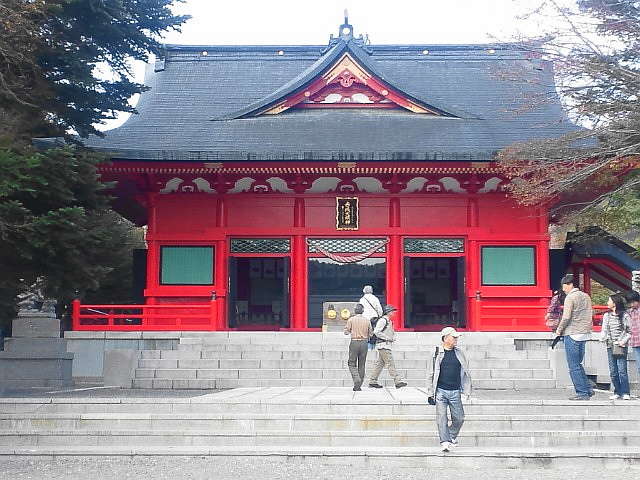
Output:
x=503 y=429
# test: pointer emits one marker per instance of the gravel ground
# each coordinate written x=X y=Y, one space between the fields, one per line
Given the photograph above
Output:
x=220 y=468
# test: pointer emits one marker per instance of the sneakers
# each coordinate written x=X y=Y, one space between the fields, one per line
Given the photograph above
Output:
x=626 y=396
x=375 y=385
x=445 y=446
x=454 y=442
x=580 y=397
x=615 y=396
x=401 y=384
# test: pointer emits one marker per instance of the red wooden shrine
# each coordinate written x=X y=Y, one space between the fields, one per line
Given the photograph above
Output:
x=345 y=172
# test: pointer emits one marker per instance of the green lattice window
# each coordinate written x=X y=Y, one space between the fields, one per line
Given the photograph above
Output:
x=260 y=245
x=508 y=266
x=181 y=265
x=346 y=245
x=433 y=245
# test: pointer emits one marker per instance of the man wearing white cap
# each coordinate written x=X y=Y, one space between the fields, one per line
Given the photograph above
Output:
x=449 y=380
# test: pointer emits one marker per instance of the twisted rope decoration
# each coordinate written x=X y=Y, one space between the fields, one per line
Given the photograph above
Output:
x=354 y=258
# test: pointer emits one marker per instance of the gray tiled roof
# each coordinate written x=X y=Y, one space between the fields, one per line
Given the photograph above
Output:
x=192 y=109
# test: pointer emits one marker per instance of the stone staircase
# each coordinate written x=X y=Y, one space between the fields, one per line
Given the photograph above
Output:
x=327 y=422
x=223 y=360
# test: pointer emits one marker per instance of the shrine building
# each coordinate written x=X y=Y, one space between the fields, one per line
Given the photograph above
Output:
x=274 y=180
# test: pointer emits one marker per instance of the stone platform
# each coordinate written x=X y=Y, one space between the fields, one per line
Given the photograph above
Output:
x=35 y=356
x=514 y=429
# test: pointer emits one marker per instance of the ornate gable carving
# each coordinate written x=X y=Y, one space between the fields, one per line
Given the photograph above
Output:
x=348 y=85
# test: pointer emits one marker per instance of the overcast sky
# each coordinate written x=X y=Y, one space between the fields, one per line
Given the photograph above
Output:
x=303 y=22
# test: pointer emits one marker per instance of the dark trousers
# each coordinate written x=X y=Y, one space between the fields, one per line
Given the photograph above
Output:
x=357 y=360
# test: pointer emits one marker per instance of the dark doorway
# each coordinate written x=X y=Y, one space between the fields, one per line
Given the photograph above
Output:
x=434 y=293
x=259 y=293
x=330 y=281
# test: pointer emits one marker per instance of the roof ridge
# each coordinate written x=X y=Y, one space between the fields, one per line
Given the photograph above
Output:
x=338 y=47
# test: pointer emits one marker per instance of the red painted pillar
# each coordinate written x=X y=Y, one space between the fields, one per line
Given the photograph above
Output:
x=395 y=279
x=153 y=249
x=221 y=285
x=75 y=314
x=298 y=212
x=473 y=213
x=221 y=213
x=299 y=284
x=586 y=279
x=394 y=212
x=473 y=286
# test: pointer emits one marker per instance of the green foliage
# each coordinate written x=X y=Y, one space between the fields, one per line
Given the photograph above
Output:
x=64 y=67
x=50 y=74
x=55 y=223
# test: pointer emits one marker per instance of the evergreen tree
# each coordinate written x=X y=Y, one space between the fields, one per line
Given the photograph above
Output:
x=51 y=51
x=55 y=220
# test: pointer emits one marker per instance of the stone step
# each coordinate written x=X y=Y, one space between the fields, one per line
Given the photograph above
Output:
x=200 y=344
x=368 y=403
x=255 y=422
x=179 y=438
x=483 y=377
x=332 y=338
x=226 y=383
x=317 y=355
x=524 y=460
x=247 y=363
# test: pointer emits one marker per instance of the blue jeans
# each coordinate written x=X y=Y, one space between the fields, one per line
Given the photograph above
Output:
x=618 y=372
x=636 y=354
x=452 y=400
x=575 y=355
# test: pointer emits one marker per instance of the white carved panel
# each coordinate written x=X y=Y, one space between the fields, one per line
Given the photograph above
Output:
x=279 y=185
x=415 y=185
x=203 y=185
x=242 y=185
x=452 y=185
x=369 y=185
x=324 y=185
x=172 y=185
x=491 y=185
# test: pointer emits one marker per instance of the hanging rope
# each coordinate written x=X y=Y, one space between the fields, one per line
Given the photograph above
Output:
x=353 y=258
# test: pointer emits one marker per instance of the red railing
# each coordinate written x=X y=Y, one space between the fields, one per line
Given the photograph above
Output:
x=169 y=317
x=598 y=313
x=144 y=317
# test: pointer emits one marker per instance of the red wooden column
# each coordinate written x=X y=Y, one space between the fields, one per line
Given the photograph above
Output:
x=221 y=284
x=586 y=279
x=298 y=310
x=473 y=286
x=153 y=249
x=395 y=279
x=299 y=284
x=221 y=267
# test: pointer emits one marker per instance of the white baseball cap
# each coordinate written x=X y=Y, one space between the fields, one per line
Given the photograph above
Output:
x=450 y=331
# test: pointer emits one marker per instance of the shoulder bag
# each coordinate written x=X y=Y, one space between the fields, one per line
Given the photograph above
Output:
x=618 y=352
x=431 y=400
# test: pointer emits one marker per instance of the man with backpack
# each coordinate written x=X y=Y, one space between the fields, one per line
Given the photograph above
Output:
x=385 y=335
x=372 y=309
